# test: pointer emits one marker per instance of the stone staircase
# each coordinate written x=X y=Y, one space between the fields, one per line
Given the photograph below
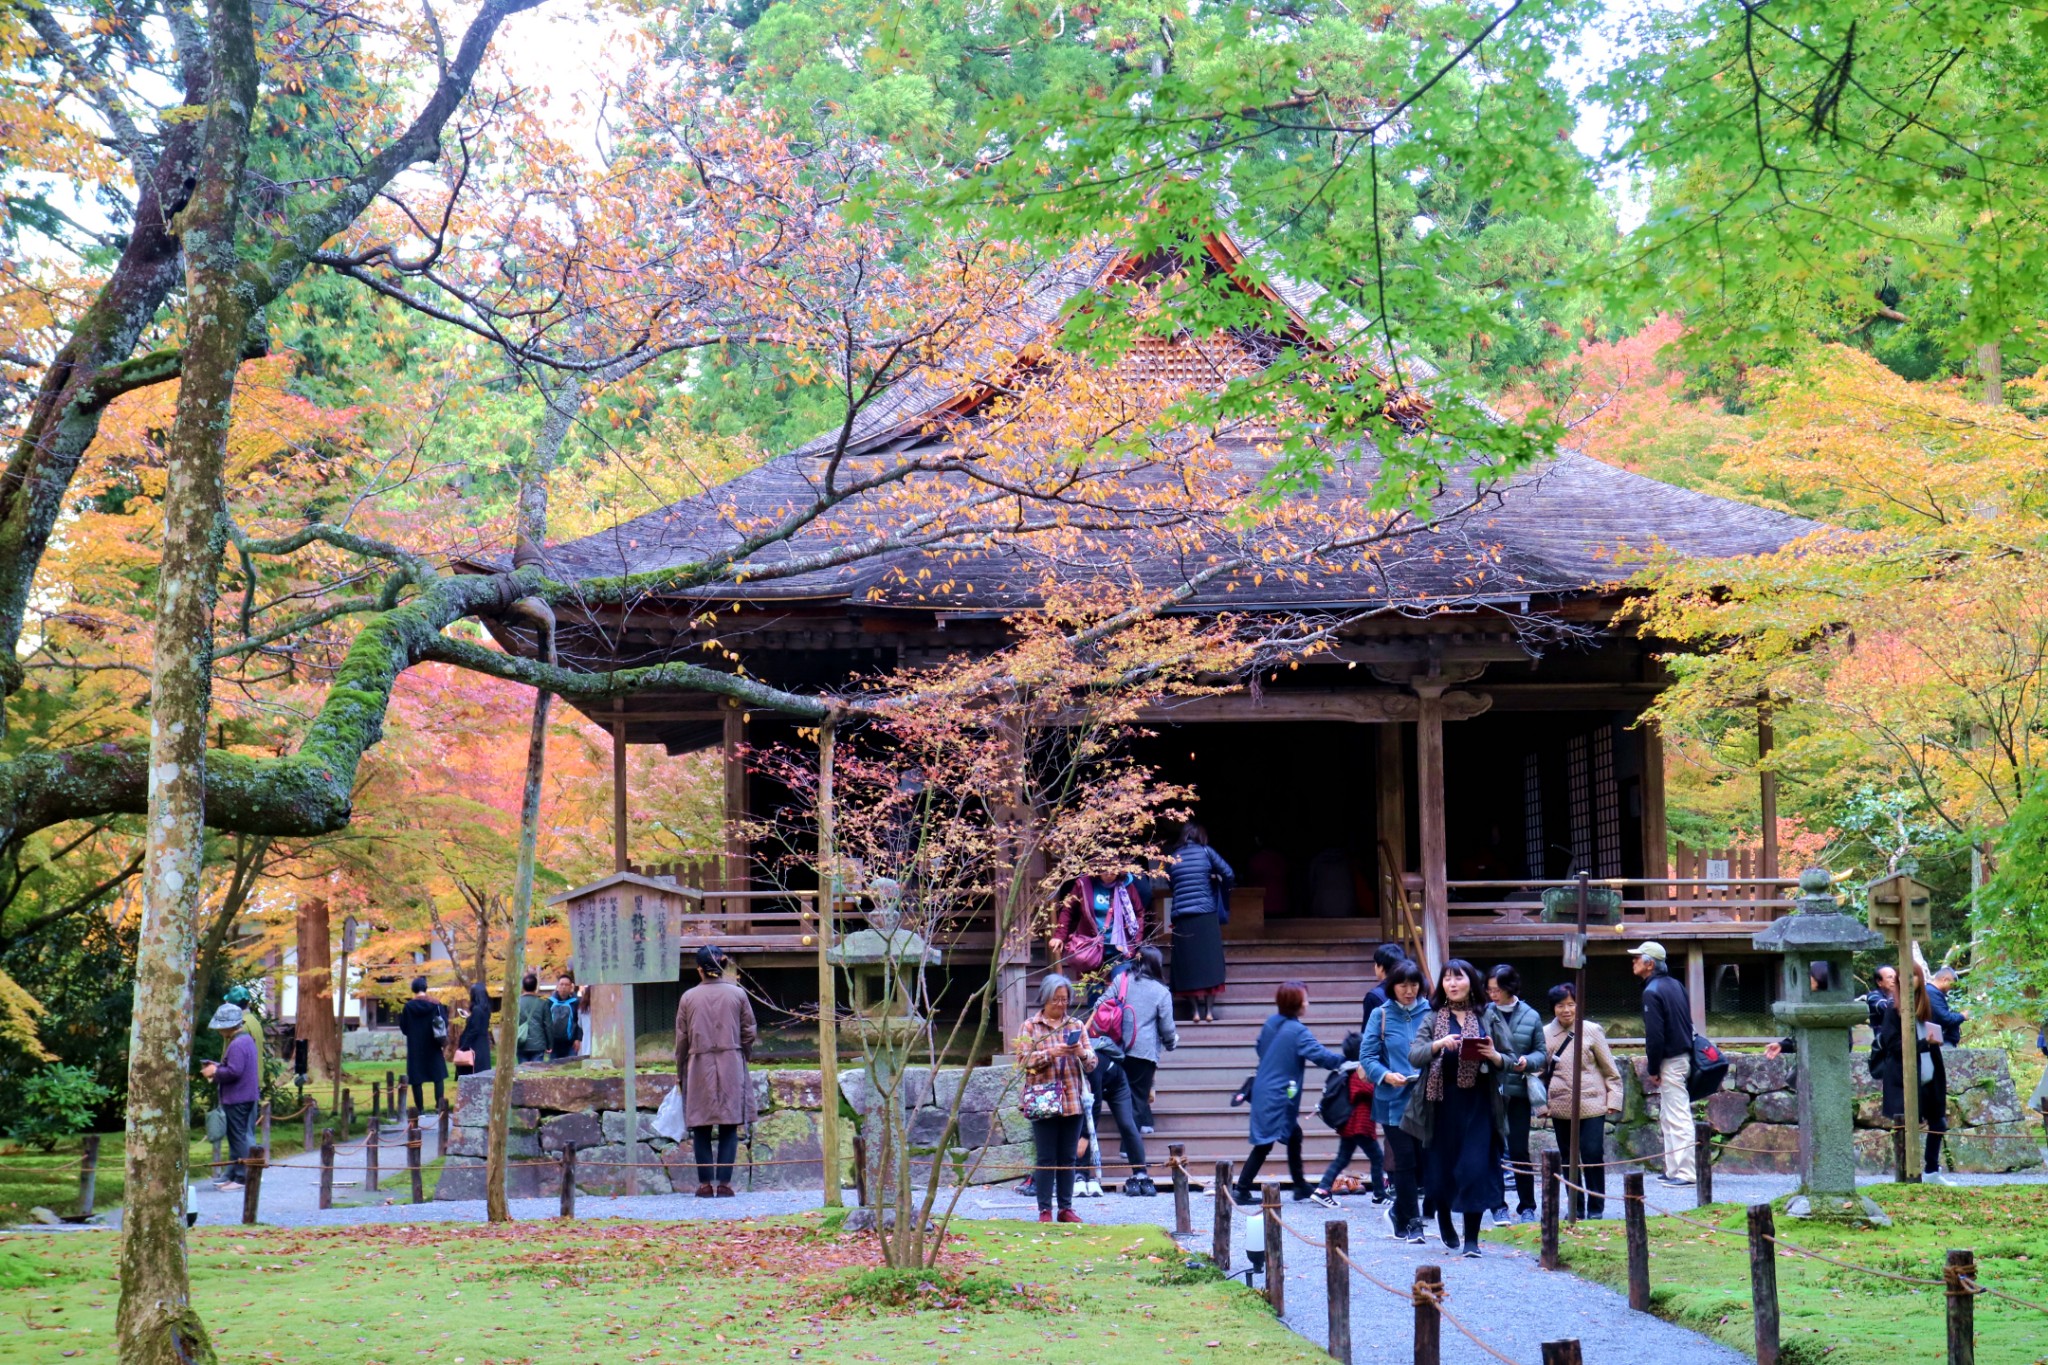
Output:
x=1191 y=1100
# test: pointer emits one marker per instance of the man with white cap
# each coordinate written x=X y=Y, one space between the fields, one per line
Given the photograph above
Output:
x=238 y=1077
x=1667 y=1045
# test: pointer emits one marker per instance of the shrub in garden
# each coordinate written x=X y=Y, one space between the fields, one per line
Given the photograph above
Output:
x=55 y=1103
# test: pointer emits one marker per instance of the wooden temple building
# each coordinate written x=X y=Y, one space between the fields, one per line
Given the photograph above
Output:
x=1423 y=780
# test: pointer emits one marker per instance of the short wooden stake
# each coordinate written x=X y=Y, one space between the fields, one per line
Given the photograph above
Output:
x=1899 y=1152
x=568 y=1182
x=376 y=1099
x=88 y=1174
x=312 y=1124
x=1337 y=1277
x=1276 y=1249
x=394 y=1096
x=1219 y=1233
x=1703 y=1165
x=1562 y=1352
x=1429 y=1323
x=412 y=1160
x=370 y=1158
x=1637 y=1220
x=1763 y=1282
x=1183 y=1213
x=327 y=1169
x=1553 y=1181
x=1961 y=1274
x=348 y=1112
x=252 y=1188
x=860 y=1171
x=263 y=1123
x=442 y=1149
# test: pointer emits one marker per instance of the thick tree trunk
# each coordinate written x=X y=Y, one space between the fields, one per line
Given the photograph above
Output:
x=315 y=1019
x=157 y=1323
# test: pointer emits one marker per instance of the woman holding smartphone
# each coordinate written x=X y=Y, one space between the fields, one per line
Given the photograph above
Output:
x=1460 y=1116
x=1055 y=1056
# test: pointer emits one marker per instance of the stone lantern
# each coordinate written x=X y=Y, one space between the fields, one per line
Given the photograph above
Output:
x=885 y=963
x=1820 y=1020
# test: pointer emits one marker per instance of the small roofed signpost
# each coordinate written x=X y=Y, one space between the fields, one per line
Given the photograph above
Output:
x=1901 y=911
x=625 y=929
x=1818 y=942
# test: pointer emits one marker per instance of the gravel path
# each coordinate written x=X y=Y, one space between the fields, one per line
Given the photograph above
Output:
x=1504 y=1297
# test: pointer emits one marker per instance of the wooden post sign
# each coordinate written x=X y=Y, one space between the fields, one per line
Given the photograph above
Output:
x=1901 y=910
x=625 y=929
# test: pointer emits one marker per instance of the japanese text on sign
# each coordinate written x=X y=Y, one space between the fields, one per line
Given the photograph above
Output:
x=624 y=935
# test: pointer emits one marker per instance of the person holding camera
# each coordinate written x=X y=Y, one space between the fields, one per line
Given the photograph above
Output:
x=1055 y=1056
x=1460 y=1116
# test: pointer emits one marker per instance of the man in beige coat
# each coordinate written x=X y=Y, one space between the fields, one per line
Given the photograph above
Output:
x=714 y=1040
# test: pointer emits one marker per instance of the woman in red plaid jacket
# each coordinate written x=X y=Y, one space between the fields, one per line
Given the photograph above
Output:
x=1359 y=1134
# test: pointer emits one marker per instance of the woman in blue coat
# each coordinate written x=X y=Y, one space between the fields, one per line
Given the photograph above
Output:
x=1285 y=1047
x=1383 y=1053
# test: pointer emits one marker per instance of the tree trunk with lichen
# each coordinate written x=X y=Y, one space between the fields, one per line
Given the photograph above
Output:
x=314 y=1021
x=157 y=1324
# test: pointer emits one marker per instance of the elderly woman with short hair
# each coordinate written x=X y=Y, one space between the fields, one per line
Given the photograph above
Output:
x=1055 y=1056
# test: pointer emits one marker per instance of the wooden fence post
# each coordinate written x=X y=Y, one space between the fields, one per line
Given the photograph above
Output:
x=327 y=1169
x=263 y=1123
x=1553 y=1178
x=395 y=1097
x=88 y=1174
x=252 y=1188
x=312 y=1120
x=1562 y=1352
x=370 y=1157
x=1962 y=1308
x=441 y=1148
x=412 y=1160
x=1276 y=1248
x=348 y=1112
x=1219 y=1234
x=860 y=1171
x=1429 y=1324
x=376 y=1099
x=1337 y=1277
x=1899 y=1152
x=568 y=1182
x=1636 y=1219
x=1763 y=1282
x=1703 y=1164
x=1183 y=1214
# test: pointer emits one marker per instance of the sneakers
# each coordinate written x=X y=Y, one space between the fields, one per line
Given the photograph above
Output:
x=1323 y=1199
x=1303 y=1193
x=1525 y=1215
x=1087 y=1189
x=1381 y=1197
x=1416 y=1234
x=1045 y=1215
x=1146 y=1129
x=1069 y=1216
x=229 y=1186
x=1394 y=1229
x=1471 y=1253
x=1244 y=1198
x=1501 y=1217
x=1677 y=1182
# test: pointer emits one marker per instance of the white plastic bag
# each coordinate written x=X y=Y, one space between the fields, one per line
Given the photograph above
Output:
x=668 y=1120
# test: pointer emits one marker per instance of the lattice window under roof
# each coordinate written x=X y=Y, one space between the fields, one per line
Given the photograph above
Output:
x=1606 y=804
x=1532 y=813
x=1578 y=773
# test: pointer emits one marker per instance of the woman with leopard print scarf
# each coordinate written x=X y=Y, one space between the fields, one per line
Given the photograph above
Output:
x=1464 y=1112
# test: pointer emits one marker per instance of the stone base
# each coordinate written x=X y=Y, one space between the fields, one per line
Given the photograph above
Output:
x=1853 y=1208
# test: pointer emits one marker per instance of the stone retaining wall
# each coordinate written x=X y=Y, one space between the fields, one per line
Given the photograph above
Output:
x=1758 y=1111
x=554 y=1107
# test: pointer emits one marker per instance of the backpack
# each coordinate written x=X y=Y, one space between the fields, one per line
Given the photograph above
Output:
x=556 y=1007
x=440 y=1024
x=527 y=1042
x=1709 y=1069
x=1335 y=1106
x=1112 y=1020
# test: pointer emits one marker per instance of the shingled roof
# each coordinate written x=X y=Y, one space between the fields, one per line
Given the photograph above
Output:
x=1569 y=525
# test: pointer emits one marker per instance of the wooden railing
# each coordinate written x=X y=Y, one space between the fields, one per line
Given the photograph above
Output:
x=1656 y=900
x=758 y=920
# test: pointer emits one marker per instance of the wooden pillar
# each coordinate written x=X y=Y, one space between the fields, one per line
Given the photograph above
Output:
x=1429 y=776
x=735 y=870
x=1696 y=984
x=1767 y=791
x=1391 y=808
x=1012 y=959
x=1656 y=832
x=621 y=852
x=828 y=983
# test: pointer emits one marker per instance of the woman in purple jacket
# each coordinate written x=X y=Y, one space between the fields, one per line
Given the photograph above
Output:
x=238 y=1076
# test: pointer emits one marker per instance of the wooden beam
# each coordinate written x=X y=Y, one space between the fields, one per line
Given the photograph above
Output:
x=1365 y=706
x=621 y=853
x=735 y=871
x=1696 y=985
x=1429 y=774
x=1767 y=788
x=1391 y=808
x=1656 y=831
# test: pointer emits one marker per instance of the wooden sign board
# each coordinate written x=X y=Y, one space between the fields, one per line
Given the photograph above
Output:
x=622 y=933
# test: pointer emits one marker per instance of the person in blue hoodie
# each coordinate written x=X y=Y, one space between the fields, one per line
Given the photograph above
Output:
x=1383 y=1054
x=1285 y=1049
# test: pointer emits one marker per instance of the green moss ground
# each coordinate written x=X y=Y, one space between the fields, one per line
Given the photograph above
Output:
x=615 y=1292
x=1701 y=1280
